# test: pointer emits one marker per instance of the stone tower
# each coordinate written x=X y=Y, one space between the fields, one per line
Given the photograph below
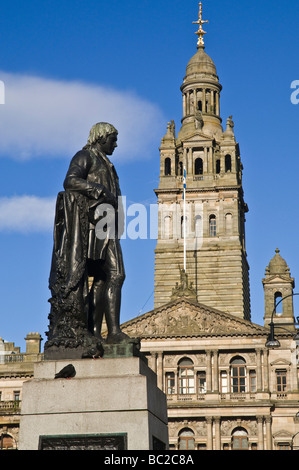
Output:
x=278 y=289
x=202 y=227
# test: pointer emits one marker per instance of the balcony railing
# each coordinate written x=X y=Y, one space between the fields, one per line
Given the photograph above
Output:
x=11 y=406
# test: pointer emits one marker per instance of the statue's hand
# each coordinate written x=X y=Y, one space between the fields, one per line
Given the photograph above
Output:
x=109 y=198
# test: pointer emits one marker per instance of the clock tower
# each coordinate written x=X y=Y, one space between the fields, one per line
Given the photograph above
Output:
x=200 y=198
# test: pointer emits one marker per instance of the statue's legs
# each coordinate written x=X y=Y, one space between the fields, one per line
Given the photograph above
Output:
x=105 y=295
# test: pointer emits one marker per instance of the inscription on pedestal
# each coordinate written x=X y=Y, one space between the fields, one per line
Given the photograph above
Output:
x=84 y=442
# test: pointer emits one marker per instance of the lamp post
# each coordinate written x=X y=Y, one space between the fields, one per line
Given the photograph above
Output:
x=273 y=342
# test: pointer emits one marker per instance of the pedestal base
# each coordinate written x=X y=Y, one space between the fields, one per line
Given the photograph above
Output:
x=110 y=404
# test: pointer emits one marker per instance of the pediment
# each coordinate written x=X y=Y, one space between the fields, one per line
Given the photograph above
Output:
x=278 y=279
x=198 y=137
x=281 y=362
x=186 y=317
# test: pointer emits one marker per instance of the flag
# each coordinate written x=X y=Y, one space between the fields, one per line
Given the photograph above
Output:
x=184 y=183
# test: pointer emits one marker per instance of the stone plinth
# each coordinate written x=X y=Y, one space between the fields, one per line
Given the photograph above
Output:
x=111 y=403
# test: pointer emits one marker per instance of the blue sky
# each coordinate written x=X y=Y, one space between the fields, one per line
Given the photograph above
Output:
x=68 y=64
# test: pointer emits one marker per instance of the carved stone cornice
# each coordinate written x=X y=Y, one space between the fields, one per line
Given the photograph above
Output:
x=185 y=317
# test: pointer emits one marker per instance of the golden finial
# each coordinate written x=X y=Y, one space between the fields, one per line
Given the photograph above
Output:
x=200 y=33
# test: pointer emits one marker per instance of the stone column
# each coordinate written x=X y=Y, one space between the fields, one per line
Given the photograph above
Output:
x=213 y=101
x=160 y=370
x=184 y=105
x=203 y=100
x=190 y=162
x=266 y=370
x=260 y=432
x=205 y=161
x=215 y=370
x=268 y=420
x=259 y=370
x=217 y=104
x=217 y=433
x=209 y=371
x=209 y=433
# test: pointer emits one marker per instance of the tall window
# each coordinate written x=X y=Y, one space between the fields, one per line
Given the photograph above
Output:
x=186 y=439
x=170 y=383
x=224 y=381
x=252 y=380
x=212 y=226
x=281 y=381
x=278 y=298
x=198 y=166
x=186 y=377
x=238 y=375
x=218 y=166
x=228 y=224
x=240 y=439
x=228 y=163
x=202 y=383
x=167 y=166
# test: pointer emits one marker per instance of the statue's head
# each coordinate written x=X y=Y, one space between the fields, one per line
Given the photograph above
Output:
x=104 y=135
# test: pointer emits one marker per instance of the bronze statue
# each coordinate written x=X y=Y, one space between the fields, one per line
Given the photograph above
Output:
x=79 y=255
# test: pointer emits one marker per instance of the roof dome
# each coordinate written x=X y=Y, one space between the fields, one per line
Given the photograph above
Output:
x=278 y=265
x=201 y=64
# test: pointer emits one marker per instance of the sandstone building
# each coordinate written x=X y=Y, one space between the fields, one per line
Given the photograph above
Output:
x=226 y=388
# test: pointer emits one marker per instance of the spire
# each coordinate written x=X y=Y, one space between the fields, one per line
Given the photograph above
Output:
x=200 y=33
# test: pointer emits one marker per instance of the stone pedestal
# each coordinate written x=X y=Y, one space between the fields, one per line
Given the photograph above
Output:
x=110 y=404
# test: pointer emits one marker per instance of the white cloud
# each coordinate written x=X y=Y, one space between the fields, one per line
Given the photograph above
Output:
x=26 y=214
x=46 y=117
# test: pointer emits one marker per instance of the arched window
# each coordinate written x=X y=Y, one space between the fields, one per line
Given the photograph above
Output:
x=167 y=166
x=228 y=224
x=186 y=439
x=278 y=298
x=228 y=163
x=239 y=439
x=7 y=441
x=186 y=377
x=238 y=375
x=212 y=225
x=198 y=166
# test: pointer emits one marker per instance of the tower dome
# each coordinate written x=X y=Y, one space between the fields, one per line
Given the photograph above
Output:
x=201 y=66
x=278 y=265
x=201 y=92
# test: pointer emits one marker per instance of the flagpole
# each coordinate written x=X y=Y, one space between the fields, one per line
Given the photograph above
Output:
x=184 y=197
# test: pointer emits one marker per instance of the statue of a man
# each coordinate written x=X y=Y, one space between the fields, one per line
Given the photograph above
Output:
x=79 y=255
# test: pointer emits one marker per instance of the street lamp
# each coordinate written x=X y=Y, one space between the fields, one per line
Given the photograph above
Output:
x=273 y=342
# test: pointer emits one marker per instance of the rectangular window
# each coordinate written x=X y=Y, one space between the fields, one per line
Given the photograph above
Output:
x=186 y=380
x=16 y=395
x=281 y=381
x=238 y=379
x=252 y=381
x=212 y=226
x=170 y=383
x=224 y=382
x=202 y=386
